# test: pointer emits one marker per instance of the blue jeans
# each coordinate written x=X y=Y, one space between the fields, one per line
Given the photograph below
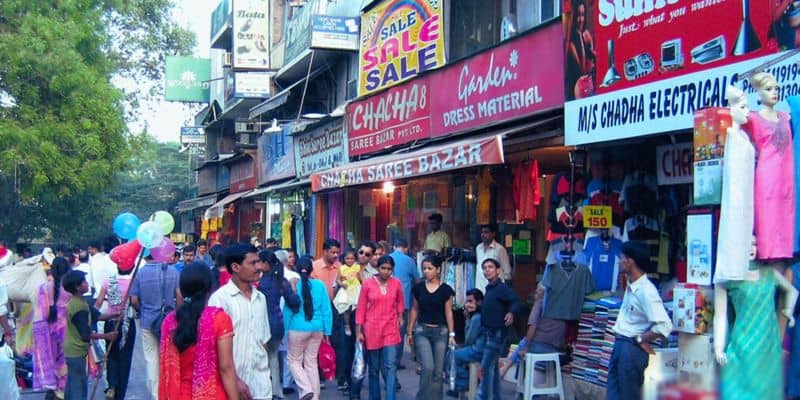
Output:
x=384 y=359
x=430 y=344
x=77 y=379
x=401 y=346
x=626 y=371
x=345 y=347
x=486 y=350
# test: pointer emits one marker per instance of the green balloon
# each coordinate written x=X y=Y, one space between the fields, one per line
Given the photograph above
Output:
x=165 y=221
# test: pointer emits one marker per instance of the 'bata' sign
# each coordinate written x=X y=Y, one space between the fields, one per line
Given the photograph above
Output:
x=464 y=154
x=516 y=79
x=674 y=163
x=399 y=115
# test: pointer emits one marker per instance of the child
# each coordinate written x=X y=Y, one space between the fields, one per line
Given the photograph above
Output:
x=350 y=282
x=79 y=334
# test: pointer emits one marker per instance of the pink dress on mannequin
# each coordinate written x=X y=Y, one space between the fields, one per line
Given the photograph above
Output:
x=774 y=186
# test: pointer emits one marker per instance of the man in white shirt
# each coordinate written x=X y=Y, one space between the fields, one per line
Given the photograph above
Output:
x=642 y=319
x=489 y=248
x=100 y=265
x=247 y=308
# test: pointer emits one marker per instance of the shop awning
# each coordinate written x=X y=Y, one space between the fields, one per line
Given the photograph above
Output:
x=433 y=160
x=191 y=204
x=279 y=98
x=217 y=209
x=279 y=187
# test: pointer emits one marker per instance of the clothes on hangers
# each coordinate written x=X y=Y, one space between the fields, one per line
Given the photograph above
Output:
x=286 y=232
x=646 y=230
x=561 y=187
x=564 y=291
x=603 y=261
x=639 y=193
x=299 y=235
x=556 y=246
x=606 y=193
x=526 y=190
x=505 y=208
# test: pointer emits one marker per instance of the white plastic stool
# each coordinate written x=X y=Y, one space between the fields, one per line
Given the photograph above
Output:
x=531 y=359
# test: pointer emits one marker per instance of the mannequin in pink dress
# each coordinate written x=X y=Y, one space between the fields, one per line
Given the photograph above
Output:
x=771 y=134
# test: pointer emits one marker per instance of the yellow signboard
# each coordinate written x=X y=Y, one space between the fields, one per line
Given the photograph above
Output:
x=399 y=39
x=597 y=217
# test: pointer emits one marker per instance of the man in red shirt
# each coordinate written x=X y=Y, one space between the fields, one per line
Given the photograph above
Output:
x=326 y=268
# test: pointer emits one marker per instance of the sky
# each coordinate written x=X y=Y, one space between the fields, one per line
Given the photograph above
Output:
x=165 y=118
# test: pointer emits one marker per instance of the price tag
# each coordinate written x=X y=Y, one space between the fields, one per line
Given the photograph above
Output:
x=597 y=217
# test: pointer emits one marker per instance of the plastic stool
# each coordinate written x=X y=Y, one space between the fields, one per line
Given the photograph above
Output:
x=531 y=359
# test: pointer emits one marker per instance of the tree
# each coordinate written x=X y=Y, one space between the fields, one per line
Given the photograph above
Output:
x=63 y=134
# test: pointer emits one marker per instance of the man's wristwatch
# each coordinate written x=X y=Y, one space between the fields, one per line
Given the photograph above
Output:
x=452 y=334
x=638 y=339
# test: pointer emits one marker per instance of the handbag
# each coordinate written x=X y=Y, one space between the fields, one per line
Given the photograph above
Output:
x=155 y=327
x=327 y=360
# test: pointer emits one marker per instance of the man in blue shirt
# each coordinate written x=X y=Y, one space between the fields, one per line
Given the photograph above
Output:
x=188 y=257
x=405 y=270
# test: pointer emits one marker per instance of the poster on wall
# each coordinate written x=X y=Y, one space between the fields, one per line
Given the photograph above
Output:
x=612 y=48
x=251 y=34
x=399 y=39
x=674 y=164
x=699 y=231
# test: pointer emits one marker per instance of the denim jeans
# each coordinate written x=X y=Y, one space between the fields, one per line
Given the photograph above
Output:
x=486 y=350
x=430 y=344
x=401 y=346
x=77 y=379
x=382 y=359
x=345 y=347
x=626 y=371
x=118 y=369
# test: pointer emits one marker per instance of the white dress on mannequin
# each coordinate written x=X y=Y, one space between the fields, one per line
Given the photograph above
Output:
x=736 y=216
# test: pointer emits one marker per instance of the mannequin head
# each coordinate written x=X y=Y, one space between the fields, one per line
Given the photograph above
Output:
x=767 y=87
x=737 y=101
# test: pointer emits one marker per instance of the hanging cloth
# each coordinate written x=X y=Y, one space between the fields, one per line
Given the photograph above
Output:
x=299 y=235
x=286 y=232
x=485 y=182
x=526 y=190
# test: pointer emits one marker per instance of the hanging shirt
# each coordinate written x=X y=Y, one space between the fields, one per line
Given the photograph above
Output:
x=286 y=233
x=564 y=291
x=554 y=255
x=526 y=190
x=603 y=260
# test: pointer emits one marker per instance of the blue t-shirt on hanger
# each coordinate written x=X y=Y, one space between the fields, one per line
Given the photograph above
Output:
x=603 y=261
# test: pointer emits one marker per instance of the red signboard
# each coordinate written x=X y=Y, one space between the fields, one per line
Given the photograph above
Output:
x=396 y=116
x=518 y=78
x=614 y=44
x=243 y=175
x=464 y=154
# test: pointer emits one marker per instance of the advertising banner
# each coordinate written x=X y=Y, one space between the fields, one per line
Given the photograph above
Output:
x=614 y=47
x=399 y=39
x=251 y=85
x=187 y=79
x=276 y=156
x=192 y=135
x=251 y=34
x=674 y=164
x=220 y=19
x=337 y=33
x=321 y=149
x=519 y=78
x=399 y=115
x=298 y=31
x=464 y=154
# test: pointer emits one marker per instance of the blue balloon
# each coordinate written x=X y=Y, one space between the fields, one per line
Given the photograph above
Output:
x=125 y=225
x=149 y=235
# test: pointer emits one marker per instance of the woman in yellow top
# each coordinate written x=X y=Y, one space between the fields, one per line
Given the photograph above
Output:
x=350 y=283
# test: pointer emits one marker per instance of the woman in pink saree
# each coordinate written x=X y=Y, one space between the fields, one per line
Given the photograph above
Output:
x=49 y=329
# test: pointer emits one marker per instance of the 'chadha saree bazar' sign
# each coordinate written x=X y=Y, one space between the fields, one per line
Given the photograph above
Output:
x=399 y=39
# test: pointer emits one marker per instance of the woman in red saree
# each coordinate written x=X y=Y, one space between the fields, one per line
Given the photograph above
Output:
x=196 y=354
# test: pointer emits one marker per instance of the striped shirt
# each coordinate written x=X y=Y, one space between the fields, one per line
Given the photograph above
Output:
x=251 y=334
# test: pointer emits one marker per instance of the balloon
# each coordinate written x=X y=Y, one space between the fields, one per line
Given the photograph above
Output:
x=125 y=255
x=149 y=234
x=165 y=221
x=125 y=225
x=163 y=252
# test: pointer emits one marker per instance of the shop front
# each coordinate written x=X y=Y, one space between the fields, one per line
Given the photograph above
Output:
x=247 y=227
x=652 y=114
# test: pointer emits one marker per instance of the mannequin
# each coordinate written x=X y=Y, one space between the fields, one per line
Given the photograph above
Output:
x=754 y=343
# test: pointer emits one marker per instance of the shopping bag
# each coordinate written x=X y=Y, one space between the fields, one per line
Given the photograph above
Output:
x=450 y=361
x=327 y=360
x=359 y=365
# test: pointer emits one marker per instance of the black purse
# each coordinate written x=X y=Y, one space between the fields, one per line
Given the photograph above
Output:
x=165 y=309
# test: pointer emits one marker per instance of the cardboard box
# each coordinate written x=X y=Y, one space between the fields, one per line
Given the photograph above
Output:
x=696 y=363
x=710 y=129
x=693 y=309
x=662 y=369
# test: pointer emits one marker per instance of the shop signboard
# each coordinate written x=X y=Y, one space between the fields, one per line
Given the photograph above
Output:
x=674 y=164
x=298 y=31
x=192 y=135
x=321 y=149
x=251 y=85
x=399 y=39
x=243 y=175
x=337 y=33
x=251 y=34
x=276 y=156
x=187 y=79
x=516 y=79
x=220 y=19
x=644 y=67
x=397 y=116
x=453 y=156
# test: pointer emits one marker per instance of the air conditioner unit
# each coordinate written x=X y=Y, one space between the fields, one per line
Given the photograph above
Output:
x=228 y=60
x=245 y=127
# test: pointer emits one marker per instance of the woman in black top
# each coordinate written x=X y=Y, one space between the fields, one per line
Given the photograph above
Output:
x=433 y=309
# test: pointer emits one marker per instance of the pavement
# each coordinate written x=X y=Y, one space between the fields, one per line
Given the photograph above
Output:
x=409 y=381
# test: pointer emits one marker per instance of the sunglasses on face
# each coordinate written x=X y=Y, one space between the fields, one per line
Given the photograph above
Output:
x=364 y=253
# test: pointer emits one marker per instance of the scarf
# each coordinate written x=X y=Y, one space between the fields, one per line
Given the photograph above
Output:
x=205 y=373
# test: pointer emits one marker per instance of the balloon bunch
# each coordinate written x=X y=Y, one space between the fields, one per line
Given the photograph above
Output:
x=148 y=235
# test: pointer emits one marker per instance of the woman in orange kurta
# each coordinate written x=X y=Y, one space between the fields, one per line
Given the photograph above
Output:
x=196 y=357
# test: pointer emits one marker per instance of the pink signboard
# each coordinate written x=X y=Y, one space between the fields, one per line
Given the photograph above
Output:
x=396 y=116
x=516 y=79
